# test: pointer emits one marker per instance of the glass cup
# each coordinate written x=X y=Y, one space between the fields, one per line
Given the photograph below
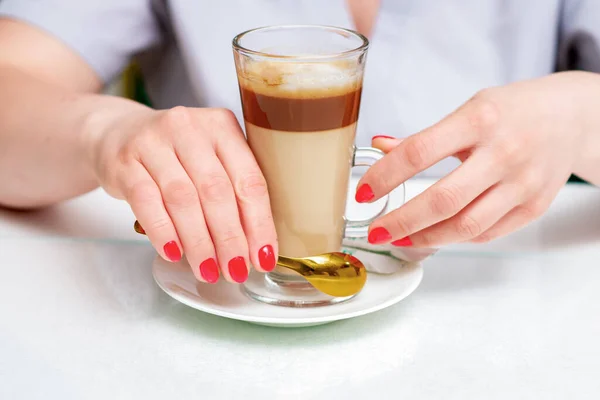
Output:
x=300 y=87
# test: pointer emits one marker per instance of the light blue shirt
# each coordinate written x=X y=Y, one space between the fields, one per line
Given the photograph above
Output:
x=426 y=58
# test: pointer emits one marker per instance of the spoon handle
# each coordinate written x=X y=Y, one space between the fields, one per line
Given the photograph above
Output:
x=291 y=263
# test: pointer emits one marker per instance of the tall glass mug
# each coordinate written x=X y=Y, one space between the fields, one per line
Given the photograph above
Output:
x=300 y=88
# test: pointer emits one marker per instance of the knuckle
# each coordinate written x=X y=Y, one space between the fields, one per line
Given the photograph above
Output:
x=485 y=113
x=532 y=210
x=530 y=183
x=483 y=238
x=200 y=245
x=263 y=226
x=417 y=152
x=159 y=225
x=467 y=227
x=252 y=186
x=127 y=153
x=216 y=189
x=176 y=119
x=507 y=152
x=230 y=236
x=142 y=193
x=223 y=116
x=426 y=239
x=380 y=181
x=144 y=142
x=180 y=193
x=446 y=201
x=401 y=225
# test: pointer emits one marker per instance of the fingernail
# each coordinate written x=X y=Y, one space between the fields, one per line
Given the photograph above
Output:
x=266 y=257
x=364 y=193
x=172 y=251
x=209 y=270
x=238 y=269
x=382 y=137
x=404 y=242
x=379 y=235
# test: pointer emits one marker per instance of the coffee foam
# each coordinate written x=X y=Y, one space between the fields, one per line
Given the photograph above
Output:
x=300 y=80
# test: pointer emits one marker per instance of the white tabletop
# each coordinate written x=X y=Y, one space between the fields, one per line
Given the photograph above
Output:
x=81 y=318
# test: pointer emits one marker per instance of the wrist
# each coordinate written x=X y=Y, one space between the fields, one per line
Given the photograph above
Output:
x=587 y=105
x=103 y=114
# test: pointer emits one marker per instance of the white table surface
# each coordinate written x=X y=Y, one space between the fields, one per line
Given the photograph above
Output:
x=81 y=318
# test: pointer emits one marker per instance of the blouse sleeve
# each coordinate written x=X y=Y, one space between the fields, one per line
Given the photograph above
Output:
x=106 y=33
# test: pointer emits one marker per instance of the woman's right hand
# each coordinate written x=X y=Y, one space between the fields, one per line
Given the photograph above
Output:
x=192 y=183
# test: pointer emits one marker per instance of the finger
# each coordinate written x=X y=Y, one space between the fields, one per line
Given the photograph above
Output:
x=417 y=153
x=252 y=195
x=144 y=197
x=217 y=197
x=473 y=220
x=388 y=143
x=441 y=201
x=385 y=143
x=518 y=217
x=181 y=201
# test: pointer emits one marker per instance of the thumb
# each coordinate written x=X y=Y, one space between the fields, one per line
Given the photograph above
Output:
x=385 y=143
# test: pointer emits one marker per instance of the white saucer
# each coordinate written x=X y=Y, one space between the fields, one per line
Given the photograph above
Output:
x=229 y=300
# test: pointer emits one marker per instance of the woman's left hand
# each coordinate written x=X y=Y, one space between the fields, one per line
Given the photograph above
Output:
x=518 y=145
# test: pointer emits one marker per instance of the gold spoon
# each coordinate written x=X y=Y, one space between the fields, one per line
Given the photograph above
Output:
x=336 y=274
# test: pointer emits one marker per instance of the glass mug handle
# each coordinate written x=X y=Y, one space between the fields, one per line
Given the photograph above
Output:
x=365 y=157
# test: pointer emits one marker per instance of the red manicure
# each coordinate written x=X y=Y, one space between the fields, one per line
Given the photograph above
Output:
x=379 y=235
x=209 y=270
x=404 y=242
x=364 y=193
x=266 y=257
x=382 y=137
x=172 y=251
x=238 y=269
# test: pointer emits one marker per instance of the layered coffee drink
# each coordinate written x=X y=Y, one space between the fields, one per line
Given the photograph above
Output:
x=300 y=121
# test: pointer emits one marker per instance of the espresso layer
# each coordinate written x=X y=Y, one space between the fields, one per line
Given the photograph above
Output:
x=300 y=114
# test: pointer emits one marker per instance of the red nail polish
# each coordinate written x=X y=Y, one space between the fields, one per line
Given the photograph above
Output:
x=266 y=257
x=404 y=242
x=379 y=235
x=238 y=269
x=209 y=270
x=364 y=193
x=382 y=137
x=172 y=251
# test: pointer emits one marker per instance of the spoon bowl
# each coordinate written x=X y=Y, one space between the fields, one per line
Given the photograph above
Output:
x=336 y=274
